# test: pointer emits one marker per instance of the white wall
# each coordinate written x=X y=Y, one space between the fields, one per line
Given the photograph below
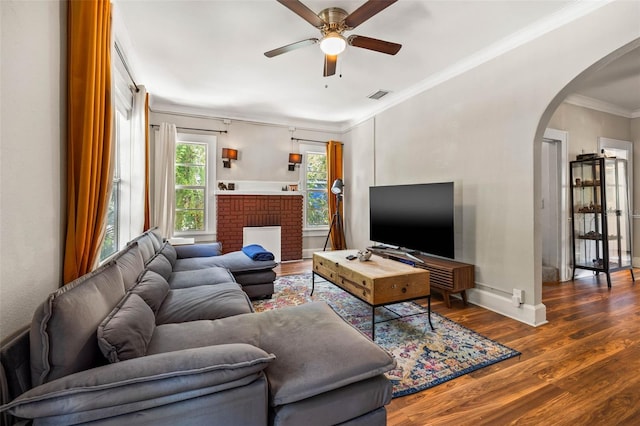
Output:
x=478 y=130
x=33 y=131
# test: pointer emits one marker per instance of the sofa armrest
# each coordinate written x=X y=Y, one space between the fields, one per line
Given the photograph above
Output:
x=198 y=250
x=141 y=383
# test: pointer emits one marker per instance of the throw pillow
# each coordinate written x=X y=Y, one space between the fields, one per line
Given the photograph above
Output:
x=152 y=288
x=126 y=332
x=161 y=265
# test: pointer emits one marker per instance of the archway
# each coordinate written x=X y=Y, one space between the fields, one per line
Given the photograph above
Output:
x=630 y=48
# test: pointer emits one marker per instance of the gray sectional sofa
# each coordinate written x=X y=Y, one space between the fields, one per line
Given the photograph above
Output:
x=140 y=342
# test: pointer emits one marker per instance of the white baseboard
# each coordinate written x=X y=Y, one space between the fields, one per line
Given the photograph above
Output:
x=534 y=315
x=308 y=253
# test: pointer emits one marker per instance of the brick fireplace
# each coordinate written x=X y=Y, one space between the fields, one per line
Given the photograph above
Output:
x=234 y=212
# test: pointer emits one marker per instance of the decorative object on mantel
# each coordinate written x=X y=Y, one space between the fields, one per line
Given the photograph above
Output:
x=222 y=186
x=231 y=186
x=228 y=154
x=293 y=187
x=294 y=160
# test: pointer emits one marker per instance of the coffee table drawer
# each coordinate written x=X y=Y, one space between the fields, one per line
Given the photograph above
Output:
x=401 y=287
x=325 y=268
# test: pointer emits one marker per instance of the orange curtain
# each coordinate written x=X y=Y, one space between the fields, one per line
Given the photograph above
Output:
x=89 y=124
x=147 y=207
x=334 y=171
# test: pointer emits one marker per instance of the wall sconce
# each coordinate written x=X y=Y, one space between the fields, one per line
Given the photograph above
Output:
x=293 y=160
x=228 y=154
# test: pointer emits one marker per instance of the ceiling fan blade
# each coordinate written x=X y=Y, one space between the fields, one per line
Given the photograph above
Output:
x=303 y=11
x=374 y=44
x=290 y=47
x=366 y=11
x=330 y=62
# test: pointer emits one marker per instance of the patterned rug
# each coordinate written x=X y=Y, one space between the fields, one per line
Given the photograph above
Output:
x=424 y=358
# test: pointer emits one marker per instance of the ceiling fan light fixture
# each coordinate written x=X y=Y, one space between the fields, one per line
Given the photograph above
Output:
x=333 y=43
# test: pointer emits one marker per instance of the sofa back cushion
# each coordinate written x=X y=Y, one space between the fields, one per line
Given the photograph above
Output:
x=156 y=238
x=126 y=332
x=152 y=288
x=168 y=251
x=160 y=265
x=146 y=244
x=63 y=330
x=130 y=263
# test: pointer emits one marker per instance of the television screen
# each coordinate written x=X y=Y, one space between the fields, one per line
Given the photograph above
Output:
x=415 y=217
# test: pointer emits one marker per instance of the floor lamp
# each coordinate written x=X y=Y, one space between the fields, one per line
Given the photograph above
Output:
x=337 y=189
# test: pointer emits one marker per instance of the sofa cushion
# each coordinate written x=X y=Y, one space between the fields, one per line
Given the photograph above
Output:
x=126 y=332
x=143 y=383
x=145 y=242
x=207 y=302
x=160 y=265
x=152 y=288
x=168 y=251
x=198 y=250
x=156 y=238
x=63 y=330
x=235 y=261
x=208 y=276
x=303 y=338
x=130 y=263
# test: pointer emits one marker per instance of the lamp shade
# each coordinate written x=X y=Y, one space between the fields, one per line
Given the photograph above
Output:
x=337 y=186
x=295 y=158
x=231 y=154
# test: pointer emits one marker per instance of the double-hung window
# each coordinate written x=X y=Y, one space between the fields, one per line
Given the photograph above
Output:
x=191 y=187
x=316 y=206
x=119 y=209
x=110 y=243
x=194 y=185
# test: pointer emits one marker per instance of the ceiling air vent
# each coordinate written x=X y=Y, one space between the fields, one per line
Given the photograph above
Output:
x=379 y=94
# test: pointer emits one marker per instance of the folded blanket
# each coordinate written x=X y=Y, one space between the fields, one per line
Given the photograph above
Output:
x=257 y=252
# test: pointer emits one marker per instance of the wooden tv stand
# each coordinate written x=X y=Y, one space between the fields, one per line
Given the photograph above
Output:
x=448 y=276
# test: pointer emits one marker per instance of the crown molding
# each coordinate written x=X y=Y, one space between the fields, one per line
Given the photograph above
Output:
x=195 y=112
x=602 y=106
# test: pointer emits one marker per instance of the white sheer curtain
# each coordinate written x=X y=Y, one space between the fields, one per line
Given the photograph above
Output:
x=164 y=200
x=138 y=153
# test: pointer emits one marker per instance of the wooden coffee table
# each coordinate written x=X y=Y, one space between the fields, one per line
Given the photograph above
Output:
x=377 y=282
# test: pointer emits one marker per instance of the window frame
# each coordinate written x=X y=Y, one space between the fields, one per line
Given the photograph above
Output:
x=309 y=150
x=210 y=173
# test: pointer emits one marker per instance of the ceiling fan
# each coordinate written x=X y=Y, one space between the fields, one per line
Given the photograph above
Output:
x=332 y=23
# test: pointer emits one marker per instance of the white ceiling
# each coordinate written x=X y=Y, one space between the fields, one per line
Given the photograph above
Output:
x=206 y=57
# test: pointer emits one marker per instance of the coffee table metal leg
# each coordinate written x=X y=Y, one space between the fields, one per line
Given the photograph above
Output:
x=373 y=323
x=429 y=311
x=313 y=283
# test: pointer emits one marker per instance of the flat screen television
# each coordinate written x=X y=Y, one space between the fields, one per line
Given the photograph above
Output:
x=417 y=217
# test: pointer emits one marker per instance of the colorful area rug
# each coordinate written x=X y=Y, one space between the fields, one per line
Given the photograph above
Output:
x=424 y=358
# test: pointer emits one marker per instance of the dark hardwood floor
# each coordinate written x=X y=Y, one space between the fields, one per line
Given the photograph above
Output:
x=582 y=368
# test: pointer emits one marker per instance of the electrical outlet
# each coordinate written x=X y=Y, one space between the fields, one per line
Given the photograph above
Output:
x=518 y=297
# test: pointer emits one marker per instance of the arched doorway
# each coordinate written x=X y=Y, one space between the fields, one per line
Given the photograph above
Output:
x=550 y=118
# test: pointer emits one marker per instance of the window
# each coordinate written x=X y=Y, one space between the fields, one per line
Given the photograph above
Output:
x=110 y=243
x=316 y=209
x=191 y=187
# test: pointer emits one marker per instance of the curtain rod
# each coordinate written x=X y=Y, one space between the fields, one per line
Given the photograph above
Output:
x=126 y=67
x=191 y=128
x=308 y=140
